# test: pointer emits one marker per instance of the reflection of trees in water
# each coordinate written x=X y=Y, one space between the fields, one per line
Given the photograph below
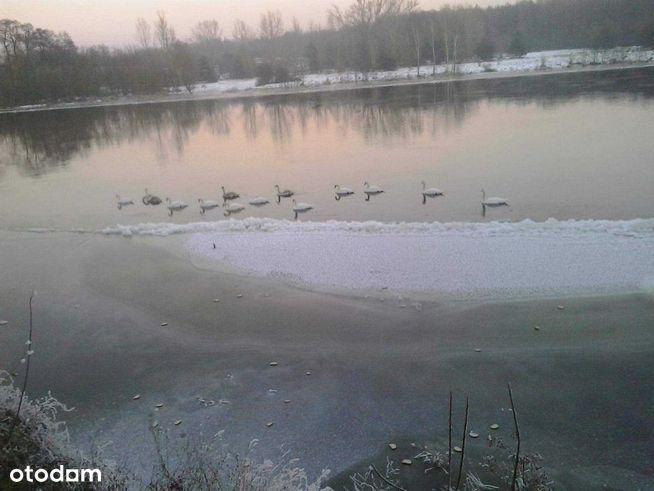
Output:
x=39 y=142
x=36 y=147
x=218 y=118
x=249 y=115
x=379 y=121
x=280 y=118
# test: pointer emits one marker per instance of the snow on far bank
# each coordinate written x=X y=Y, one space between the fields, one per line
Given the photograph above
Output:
x=540 y=60
x=595 y=256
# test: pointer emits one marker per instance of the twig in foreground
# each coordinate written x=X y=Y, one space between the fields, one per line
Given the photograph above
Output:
x=517 y=434
x=463 y=447
x=372 y=466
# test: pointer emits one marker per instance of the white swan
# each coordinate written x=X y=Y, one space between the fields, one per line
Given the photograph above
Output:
x=494 y=201
x=340 y=192
x=259 y=201
x=301 y=208
x=207 y=205
x=286 y=193
x=229 y=195
x=429 y=192
x=369 y=190
x=150 y=199
x=176 y=205
x=124 y=201
x=233 y=208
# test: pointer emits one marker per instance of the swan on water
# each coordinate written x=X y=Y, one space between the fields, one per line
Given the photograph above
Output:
x=259 y=201
x=207 y=205
x=429 y=192
x=301 y=208
x=150 y=199
x=286 y=193
x=124 y=201
x=340 y=192
x=233 y=208
x=369 y=190
x=493 y=202
x=176 y=205
x=229 y=195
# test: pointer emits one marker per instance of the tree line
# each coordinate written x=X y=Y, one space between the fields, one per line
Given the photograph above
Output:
x=38 y=65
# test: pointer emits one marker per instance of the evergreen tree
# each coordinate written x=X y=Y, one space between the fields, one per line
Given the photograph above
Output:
x=485 y=49
x=206 y=73
x=311 y=53
x=518 y=46
x=646 y=37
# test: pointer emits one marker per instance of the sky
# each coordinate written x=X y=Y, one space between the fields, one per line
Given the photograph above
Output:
x=112 y=22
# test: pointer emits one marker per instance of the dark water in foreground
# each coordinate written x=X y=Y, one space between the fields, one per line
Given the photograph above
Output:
x=562 y=146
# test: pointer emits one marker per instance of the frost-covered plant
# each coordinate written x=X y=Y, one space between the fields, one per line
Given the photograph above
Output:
x=473 y=483
x=204 y=466
x=39 y=439
x=375 y=480
x=38 y=417
x=434 y=459
x=532 y=476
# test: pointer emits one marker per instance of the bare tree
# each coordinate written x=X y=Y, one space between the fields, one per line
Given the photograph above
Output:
x=241 y=31
x=164 y=32
x=432 y=30
x=143 y=33
x=446 y=40
x=313 y=27
x=361 y=17
x=414 y=29
x=9 y=37
x=367 y=12
x=271 y=25
x=207 y=31
x=296 y=26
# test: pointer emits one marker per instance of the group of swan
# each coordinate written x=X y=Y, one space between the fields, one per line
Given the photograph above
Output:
x=339 y=191
x=372 y=190
x=206 y=205
x=368 y=190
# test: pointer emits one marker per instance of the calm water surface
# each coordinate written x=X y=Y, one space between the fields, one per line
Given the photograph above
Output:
x=562 y=146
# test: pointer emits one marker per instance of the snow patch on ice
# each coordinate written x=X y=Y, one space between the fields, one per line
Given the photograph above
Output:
x=640 y=227
x=513 y=258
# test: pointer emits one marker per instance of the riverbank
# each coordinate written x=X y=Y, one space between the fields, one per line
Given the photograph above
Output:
x=117 y=317
x=534 y=64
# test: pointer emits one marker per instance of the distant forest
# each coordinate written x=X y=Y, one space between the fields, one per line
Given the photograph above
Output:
x=38 y=65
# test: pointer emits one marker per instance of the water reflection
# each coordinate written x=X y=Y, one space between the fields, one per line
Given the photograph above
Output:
x=37 y=143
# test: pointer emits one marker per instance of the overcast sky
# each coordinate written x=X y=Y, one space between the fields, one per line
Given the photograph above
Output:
x=112 y=22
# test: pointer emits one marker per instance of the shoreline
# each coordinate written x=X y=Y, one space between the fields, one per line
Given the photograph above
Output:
x=335 y=87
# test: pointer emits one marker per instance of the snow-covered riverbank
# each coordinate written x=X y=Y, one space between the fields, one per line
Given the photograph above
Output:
x=540 y=60
x=536 y=63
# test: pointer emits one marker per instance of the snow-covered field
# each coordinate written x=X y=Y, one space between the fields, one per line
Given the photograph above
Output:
x=594 y=256
x=541 y=60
